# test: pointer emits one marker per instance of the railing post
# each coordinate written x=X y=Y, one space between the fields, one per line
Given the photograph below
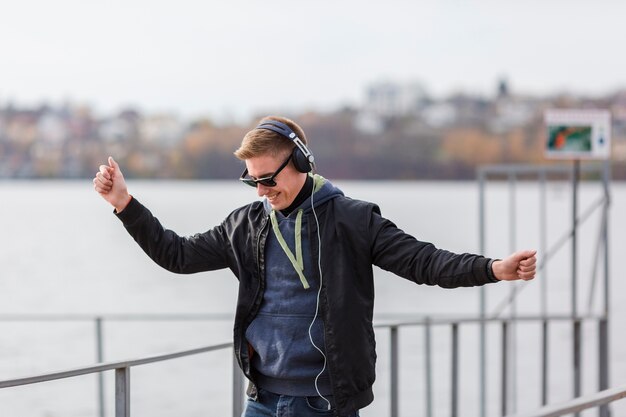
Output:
x=483 y=359
x=544 y=362
x=393 y=348
x=603 y=365
x=100 y=359
x=603 y=353
x=122 y=392
x=455 y=370
x=483 y=300
x=575 y=181
x=543 y=233
x=504 y=392
x=429 y=371
x=575 y=322
x=577 y=359
x=238 y=381
x=514 y=287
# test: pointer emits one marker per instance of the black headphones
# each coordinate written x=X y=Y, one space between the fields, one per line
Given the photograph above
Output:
x=302 y=158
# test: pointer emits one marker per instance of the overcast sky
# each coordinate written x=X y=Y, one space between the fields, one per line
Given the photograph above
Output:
x=233 y=57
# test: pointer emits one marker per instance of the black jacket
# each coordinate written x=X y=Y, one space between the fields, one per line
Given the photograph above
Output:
x=354 y=237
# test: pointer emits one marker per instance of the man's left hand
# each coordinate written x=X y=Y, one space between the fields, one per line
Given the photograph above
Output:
x=519 y=265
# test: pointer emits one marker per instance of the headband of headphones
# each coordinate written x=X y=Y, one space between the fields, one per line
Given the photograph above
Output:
x=304 y=158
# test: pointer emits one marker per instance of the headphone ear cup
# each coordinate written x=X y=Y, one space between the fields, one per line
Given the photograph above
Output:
x=300 y=161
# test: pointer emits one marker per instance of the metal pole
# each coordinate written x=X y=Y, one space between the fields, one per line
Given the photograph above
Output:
x=514 y=288
x=455 y=370
x=576 y=329
x=394 y=370
x=575 y=179
x=603 y=365
x=122 y=392
x=428 y=366
x=605 y=410
x=504 y=392
x=483 y=301
x=238 y=393
x=577 y=358
x=544 y=362
x=100 y=359
x=606 y=178
x=543 y=239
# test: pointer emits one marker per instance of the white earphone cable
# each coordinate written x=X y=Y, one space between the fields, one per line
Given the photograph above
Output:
x=319 y=291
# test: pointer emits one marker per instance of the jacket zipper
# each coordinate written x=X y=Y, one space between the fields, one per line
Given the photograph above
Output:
x=256 y=302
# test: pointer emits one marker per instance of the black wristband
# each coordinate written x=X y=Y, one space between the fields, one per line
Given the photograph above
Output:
x=490 y=274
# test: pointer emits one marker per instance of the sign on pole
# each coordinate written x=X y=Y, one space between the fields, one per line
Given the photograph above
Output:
x=578 y=134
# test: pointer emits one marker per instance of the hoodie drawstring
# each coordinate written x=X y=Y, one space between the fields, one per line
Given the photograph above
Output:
x=296 y=261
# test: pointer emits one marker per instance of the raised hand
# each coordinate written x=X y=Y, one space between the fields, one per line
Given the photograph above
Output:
x=519 y=265
x=110 y=184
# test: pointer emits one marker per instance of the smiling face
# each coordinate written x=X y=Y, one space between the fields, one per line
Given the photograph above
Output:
x=289 y=181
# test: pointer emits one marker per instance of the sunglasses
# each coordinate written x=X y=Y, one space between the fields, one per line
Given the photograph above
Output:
x=266 y=181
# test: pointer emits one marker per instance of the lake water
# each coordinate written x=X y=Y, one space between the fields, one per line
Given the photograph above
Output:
x=64 y=252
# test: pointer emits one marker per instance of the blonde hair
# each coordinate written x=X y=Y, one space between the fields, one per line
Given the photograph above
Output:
x=259 y=142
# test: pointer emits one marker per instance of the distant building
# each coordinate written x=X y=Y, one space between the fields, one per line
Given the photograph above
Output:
x=387 y=100
x=503 y=89
x=440 y=115
x=618 y=108
x=121 y=128
x=163 y=130
x=52 y=127
x=510 y=111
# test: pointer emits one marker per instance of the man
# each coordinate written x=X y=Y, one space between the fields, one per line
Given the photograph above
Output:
x=303 y=256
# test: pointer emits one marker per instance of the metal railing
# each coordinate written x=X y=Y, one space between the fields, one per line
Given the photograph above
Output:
x=99 y=322
x=541 y=175
x=577 y=405
x=122 y=377
x=454 y=325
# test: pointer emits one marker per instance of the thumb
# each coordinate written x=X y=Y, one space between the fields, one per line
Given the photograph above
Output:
x=524 y=254
x=113 y=164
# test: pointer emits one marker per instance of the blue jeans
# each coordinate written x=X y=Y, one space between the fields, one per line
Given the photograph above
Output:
x=269 y=404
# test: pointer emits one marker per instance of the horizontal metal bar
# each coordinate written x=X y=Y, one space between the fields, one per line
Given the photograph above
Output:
x=477 y=319
x=389 y=319
x=579 y=404
x=115 y=317
x=108 y=366
x=486 y=170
